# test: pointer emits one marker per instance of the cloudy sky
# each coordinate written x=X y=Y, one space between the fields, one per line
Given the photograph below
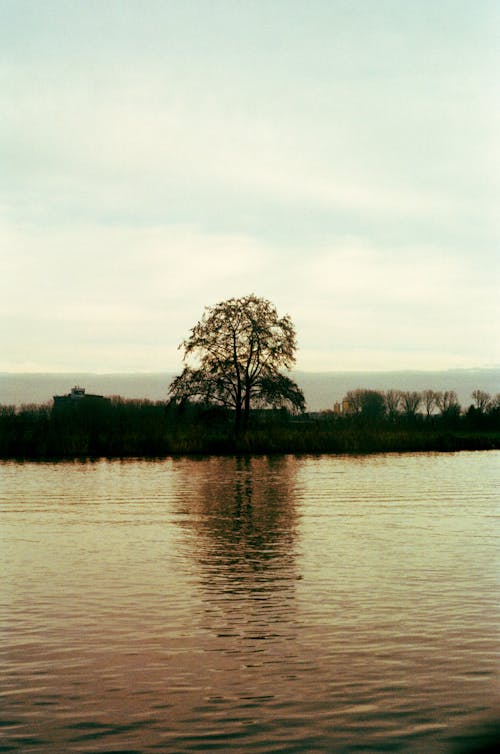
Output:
x=338 y=157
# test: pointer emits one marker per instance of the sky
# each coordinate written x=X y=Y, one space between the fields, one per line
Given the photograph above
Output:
x=337 y=157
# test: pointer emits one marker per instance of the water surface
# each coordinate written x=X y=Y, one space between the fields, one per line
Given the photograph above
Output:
x=284 y=604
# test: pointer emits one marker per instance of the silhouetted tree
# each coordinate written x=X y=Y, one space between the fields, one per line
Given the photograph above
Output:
x=482 y=400
x=392 y=403
x=372 y=404
x=429 y=398
x=367 y=403
x=354 y=401
x=240 y=346
x=411 y=401
x=447 y=402
x=494 y=411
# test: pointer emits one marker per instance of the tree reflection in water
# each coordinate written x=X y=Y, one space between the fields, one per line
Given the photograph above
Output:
x=242 y=512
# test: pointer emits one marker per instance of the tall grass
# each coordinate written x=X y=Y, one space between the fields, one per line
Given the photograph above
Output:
x=125 y=428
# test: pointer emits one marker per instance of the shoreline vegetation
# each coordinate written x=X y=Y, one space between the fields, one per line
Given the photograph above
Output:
x=370 y=422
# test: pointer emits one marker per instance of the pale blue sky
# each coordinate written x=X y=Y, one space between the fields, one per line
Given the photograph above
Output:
x=339 y=158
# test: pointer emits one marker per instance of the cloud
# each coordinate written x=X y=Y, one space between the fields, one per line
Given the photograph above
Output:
x=85 y=290
x=123 y=298
x=132 y=138
x=155 y=163
x=129 y=265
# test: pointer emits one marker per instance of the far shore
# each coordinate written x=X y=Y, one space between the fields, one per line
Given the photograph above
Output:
x=143 y=429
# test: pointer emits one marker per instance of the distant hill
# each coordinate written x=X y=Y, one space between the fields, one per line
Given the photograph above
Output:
x=320 y=389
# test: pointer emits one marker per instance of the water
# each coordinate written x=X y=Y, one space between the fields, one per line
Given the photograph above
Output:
x=249 y=605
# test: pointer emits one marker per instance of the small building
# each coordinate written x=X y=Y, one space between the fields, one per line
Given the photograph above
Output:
x=77 y=395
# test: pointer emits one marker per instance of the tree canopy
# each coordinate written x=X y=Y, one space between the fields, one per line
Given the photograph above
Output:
x=239 y=347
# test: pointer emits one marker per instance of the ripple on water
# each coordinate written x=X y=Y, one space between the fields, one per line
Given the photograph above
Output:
x=249 y=604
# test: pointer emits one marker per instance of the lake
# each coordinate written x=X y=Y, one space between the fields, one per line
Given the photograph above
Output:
x=264 y=604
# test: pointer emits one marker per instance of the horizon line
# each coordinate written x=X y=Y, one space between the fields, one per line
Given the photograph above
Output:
x=493 y=367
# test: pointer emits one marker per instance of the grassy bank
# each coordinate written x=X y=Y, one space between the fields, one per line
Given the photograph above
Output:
x=125 y=429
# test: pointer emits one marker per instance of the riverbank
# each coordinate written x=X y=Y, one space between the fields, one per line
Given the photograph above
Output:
x=133 y=429
x=254 y=442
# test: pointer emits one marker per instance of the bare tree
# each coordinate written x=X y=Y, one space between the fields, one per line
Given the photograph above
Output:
x=354 y=400
x=240 y=345
x=429 y=399
x=482 y=400
x=447 y=402
x=411 y=401
x=368 y=403
x=392 y=402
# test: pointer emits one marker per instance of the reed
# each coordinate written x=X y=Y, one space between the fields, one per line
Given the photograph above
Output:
x=125 y=429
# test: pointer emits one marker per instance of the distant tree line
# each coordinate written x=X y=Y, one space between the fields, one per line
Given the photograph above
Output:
x=114 y=427
x=430 y=406
x=233 y=397
x=372 y=421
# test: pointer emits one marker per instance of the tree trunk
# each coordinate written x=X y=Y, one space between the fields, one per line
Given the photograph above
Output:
x=237 y=420
x=246 y=411
x=237 y=415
